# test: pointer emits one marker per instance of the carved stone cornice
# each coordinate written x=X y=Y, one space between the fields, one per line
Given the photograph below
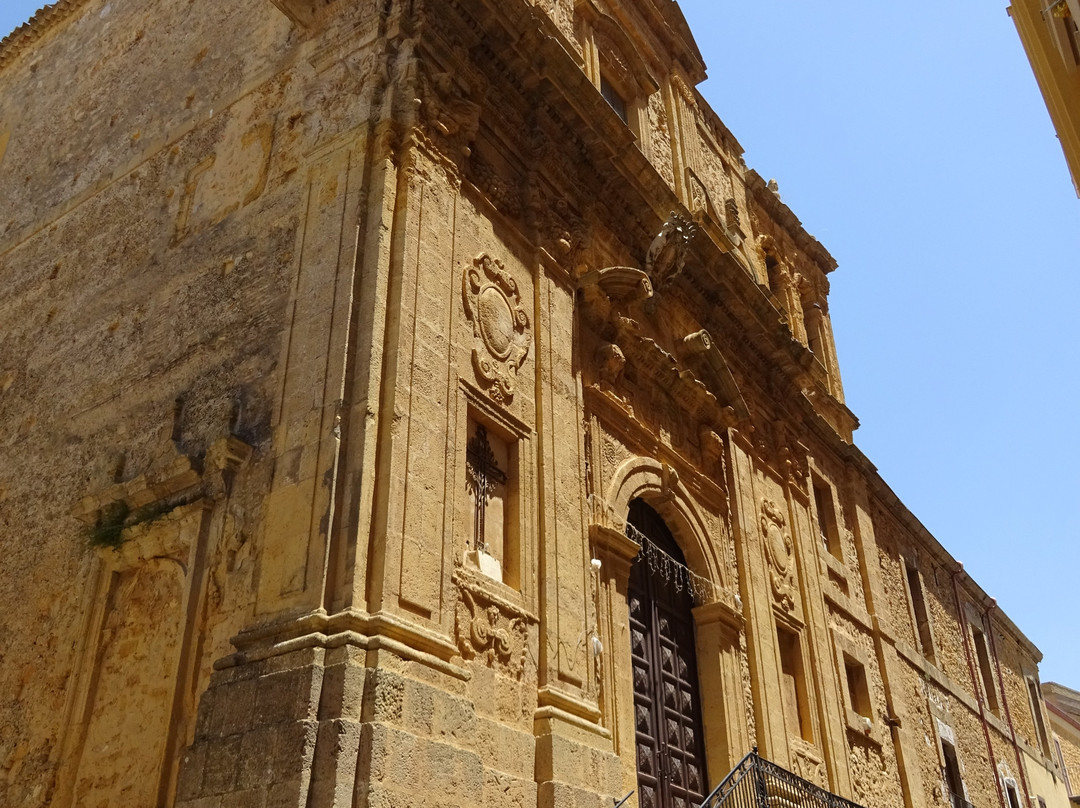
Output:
x=43 y=21
x=354 y=627
x=613 y=541
x=183 y=481
x=771 y=203
x=726 y=613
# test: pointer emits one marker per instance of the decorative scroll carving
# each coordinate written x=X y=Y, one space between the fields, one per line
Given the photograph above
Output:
x=808 y=765
x=726 y=228
x=561 y=227
x=718 y=375
x=731 y=214
x=683 y=89
x=778 y=550
x=500 y=325
x=667 y=253
x=491 y=631
x=700 y=200
x=500 y=191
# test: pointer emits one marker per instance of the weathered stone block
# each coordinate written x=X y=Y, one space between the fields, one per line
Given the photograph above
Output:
x=257 y=758
x=202 y=802
x=284 y=696
x=386 y=694
x=294 y=745
x=249 y=798
x=502 y=790
x=236 y=706
x=190 y=779
x=286 y=794
x=222 y=765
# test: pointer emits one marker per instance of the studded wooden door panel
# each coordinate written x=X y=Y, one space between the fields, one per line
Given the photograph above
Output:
x=667 y=706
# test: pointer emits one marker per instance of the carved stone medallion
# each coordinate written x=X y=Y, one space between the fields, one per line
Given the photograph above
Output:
x=778 y=550
x=500 y=325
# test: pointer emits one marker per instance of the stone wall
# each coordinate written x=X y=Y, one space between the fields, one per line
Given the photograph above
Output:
x=341 y=339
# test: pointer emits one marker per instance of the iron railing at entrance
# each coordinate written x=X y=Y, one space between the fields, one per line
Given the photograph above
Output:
x=759 y=783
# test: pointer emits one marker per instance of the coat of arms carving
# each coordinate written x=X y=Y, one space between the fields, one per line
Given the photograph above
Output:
x=778 y=550
x=500 y=325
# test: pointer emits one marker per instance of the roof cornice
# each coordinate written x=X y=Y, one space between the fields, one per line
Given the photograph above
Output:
x=43 y=21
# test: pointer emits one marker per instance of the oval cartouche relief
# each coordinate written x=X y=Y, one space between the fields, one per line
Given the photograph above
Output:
x=779 y=552
x=496 y=322
x=500 y=325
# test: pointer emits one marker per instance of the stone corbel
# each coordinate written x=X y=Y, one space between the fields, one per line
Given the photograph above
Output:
x=669 y=482
x=304 y=13
x=727 y=612
x=614 y=542
x=701 y=344
x=447 y=110
x=621 y=284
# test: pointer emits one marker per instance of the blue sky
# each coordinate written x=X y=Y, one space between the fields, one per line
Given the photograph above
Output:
x=913 y=142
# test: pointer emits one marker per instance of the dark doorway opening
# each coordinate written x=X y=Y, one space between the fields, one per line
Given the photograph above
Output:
x=667 y=702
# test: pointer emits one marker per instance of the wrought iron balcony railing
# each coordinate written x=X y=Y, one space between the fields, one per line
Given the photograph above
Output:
x=759 y=783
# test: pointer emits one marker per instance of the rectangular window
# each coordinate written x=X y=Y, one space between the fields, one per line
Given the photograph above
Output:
x=826 y=518
x=983 y=655
x=793 y=686
x=612 y=96
x=1035 y=698
x=953 y=780
x=923 y=635
x=491 y=483
x=1064 y=768
x=858 y=691
x=1010 y=791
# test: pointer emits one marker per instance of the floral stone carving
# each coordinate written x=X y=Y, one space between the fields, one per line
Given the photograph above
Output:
x=485 y=631
x=778 y=550
x=500 y=325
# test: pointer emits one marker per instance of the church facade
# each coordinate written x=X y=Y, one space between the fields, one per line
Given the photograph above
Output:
x=422 y=403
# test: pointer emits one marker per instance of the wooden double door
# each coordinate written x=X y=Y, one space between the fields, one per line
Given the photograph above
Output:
x=667 y=701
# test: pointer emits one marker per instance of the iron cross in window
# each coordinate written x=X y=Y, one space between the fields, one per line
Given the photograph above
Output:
x=482 y=476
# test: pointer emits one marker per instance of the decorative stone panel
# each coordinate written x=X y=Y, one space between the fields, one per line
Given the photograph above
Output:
x=501 y=329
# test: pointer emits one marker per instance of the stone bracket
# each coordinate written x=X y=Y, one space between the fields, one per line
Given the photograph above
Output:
x=304 y=13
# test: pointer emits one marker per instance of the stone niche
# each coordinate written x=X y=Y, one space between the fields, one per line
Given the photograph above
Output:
x=123 y=739
x=131 y=706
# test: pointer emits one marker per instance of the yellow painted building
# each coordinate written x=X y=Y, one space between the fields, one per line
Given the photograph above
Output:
x=1049 y=33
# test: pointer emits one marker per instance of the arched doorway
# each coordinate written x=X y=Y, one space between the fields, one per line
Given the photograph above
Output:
x=667 y=702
